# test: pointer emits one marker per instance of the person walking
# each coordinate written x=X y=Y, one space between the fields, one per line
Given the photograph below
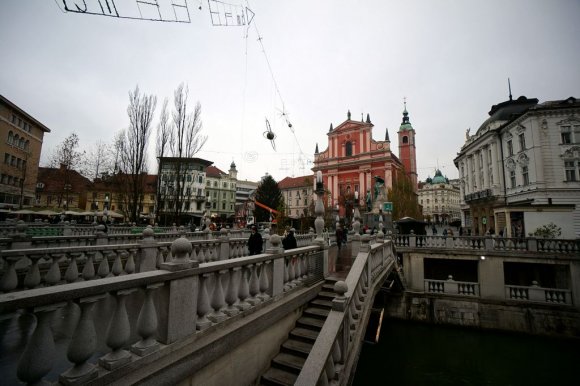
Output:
x=289 y=242
x=339 y=237
x=255 y=242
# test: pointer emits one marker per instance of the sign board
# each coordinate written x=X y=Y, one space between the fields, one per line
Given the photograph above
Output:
x=387 y=206
x=484 y=220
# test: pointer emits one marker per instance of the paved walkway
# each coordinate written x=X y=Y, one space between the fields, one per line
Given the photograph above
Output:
x=339 y=261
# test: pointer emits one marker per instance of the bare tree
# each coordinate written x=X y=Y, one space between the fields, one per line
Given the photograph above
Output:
x=67 y=158
x=99 y=160
x=185 y=140
x=161 y=150
x=132 y=146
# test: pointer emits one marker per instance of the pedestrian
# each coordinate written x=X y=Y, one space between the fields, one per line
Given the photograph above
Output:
x=255 y=242
x=339 y=237
x=444 y=232
x=289 y=242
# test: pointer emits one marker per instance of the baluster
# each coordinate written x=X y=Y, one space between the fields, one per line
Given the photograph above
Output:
x=254 y=285
x=53 y=275
x=217 y=299
x=203 y=306
x=287 y=285
x=232 y=293
x=72 y=272
x=118 y=333
x=291 y=272
x=103 y=270
x=202 y=254
x=32 y=277
x=298 y=270
x=336 y=352
x=117 y=264
x=89 y=268
x=147 y=324
x=82 y=345
x=243 y=291
x=304 y=259
x=130 y=263
x=329 y=368
x=38 y=356
x=264 y=282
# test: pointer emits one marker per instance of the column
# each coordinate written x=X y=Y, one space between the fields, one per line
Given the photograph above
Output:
x=486 y=183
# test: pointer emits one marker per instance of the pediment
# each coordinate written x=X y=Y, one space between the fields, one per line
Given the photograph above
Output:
x=351 y=125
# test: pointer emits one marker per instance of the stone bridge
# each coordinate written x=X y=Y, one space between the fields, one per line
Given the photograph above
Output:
x=197 y=310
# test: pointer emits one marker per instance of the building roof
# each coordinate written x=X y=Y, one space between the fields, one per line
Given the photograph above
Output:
x=296 y=182
x=112 y=183
x=52 y=178
x=28 y=116
x=508 y=110
x=200 y=161
x=213 y=171
x=438 y=179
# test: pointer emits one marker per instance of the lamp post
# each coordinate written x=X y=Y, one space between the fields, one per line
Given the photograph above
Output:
x=319 y=207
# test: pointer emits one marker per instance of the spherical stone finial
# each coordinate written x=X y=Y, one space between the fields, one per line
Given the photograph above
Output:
x=181 y=248
x=148 y=232
x=275 y=240
x=340 y=287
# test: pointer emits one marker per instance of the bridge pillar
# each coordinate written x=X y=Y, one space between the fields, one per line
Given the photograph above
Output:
x=147 y=257
x=179 y=303
x=277 y=267
x=224 y=244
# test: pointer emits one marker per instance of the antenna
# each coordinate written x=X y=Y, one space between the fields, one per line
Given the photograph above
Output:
x=510 y=88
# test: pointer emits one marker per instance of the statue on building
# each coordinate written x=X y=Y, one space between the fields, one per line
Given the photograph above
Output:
x=379 y=184
x=368 y=200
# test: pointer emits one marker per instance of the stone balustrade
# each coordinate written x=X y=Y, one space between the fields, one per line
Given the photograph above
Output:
x=452 y=287
x=122 y=319
x=489 y=243
x=537 y=294
x=336 y=349
x=54 y=264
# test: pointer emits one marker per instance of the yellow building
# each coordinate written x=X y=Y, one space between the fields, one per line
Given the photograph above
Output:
x=20 y=146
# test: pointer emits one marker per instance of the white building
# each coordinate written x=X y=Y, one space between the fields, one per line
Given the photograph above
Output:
x=439 y=199
x=521 y=169
x=298 y=195
x=221 y=188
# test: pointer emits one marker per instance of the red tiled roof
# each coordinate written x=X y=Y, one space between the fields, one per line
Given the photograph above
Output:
x=296 y=182
x=213 y=171
x=150 y=183
x=53 y=180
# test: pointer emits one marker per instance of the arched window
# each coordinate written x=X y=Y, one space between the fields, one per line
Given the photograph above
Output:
x=21 y=143
x=26 y=145
x=405 y=139
x=10 y=137
x=348 y=149
x=16 y=140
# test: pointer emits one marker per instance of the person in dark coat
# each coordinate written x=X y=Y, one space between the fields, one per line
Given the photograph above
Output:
x=255 y=242
x=289 y=241
x=339 y=237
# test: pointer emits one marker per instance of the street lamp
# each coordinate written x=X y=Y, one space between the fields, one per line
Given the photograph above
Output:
x=106 y=209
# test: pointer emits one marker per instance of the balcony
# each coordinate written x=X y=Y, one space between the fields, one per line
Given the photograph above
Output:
x=486 y=194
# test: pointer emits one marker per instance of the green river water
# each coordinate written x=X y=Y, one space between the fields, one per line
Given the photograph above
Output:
x=410 y=353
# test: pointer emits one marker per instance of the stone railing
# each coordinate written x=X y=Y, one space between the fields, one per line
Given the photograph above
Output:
x=452 y=287
x=535 y=293
x=114 y=325
x=336 y=349
x=40 y=267
x=489 y=243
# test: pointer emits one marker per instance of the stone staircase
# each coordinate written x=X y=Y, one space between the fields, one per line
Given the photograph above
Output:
x=287 y=364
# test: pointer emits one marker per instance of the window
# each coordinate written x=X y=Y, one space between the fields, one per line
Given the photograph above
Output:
x=297 y=202
x=225 y=185
x=525 y=177
x=510 y=147
x=489 y=156
x=405 y=139
x=522 y=139
x=513 y=178
x=570 y=167
x=189 y=178
x=223 y=206
x=214 y=206
x=566 y=135
x=6 y=158
x=10 y=137
x=290 y=194
x=348 y=149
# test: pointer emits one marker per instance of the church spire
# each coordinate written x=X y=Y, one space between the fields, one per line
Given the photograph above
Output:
x=405 y=124
x=368 y=118
x=331 y=128
x=387 y=135
x=316 y=150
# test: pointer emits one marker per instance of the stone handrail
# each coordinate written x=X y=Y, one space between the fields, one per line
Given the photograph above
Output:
x=489 y=243
x=334 y=352
x=168 y=305
x=534 y=293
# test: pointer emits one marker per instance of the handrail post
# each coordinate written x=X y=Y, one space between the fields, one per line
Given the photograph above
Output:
x=224 y=244
x=147 y=257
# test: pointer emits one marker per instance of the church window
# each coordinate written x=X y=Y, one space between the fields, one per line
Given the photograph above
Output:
x=405 y=139
x=348 y=149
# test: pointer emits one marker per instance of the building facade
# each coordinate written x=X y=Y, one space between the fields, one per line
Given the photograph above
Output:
x=439 y=199
x=61 y=189
x=221 y=191
x=353 y=159
x=20 y=147
x=182 y=181
x=520 y=170
x=298 y=195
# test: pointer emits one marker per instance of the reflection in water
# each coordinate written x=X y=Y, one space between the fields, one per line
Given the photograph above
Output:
x=422 y=354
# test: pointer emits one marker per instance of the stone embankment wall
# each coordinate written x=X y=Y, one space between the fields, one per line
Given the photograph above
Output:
x=538 y=319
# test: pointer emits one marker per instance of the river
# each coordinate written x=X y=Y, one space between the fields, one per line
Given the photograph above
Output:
x=410 y=353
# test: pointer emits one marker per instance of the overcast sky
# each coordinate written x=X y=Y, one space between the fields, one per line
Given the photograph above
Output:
x=450 y=59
